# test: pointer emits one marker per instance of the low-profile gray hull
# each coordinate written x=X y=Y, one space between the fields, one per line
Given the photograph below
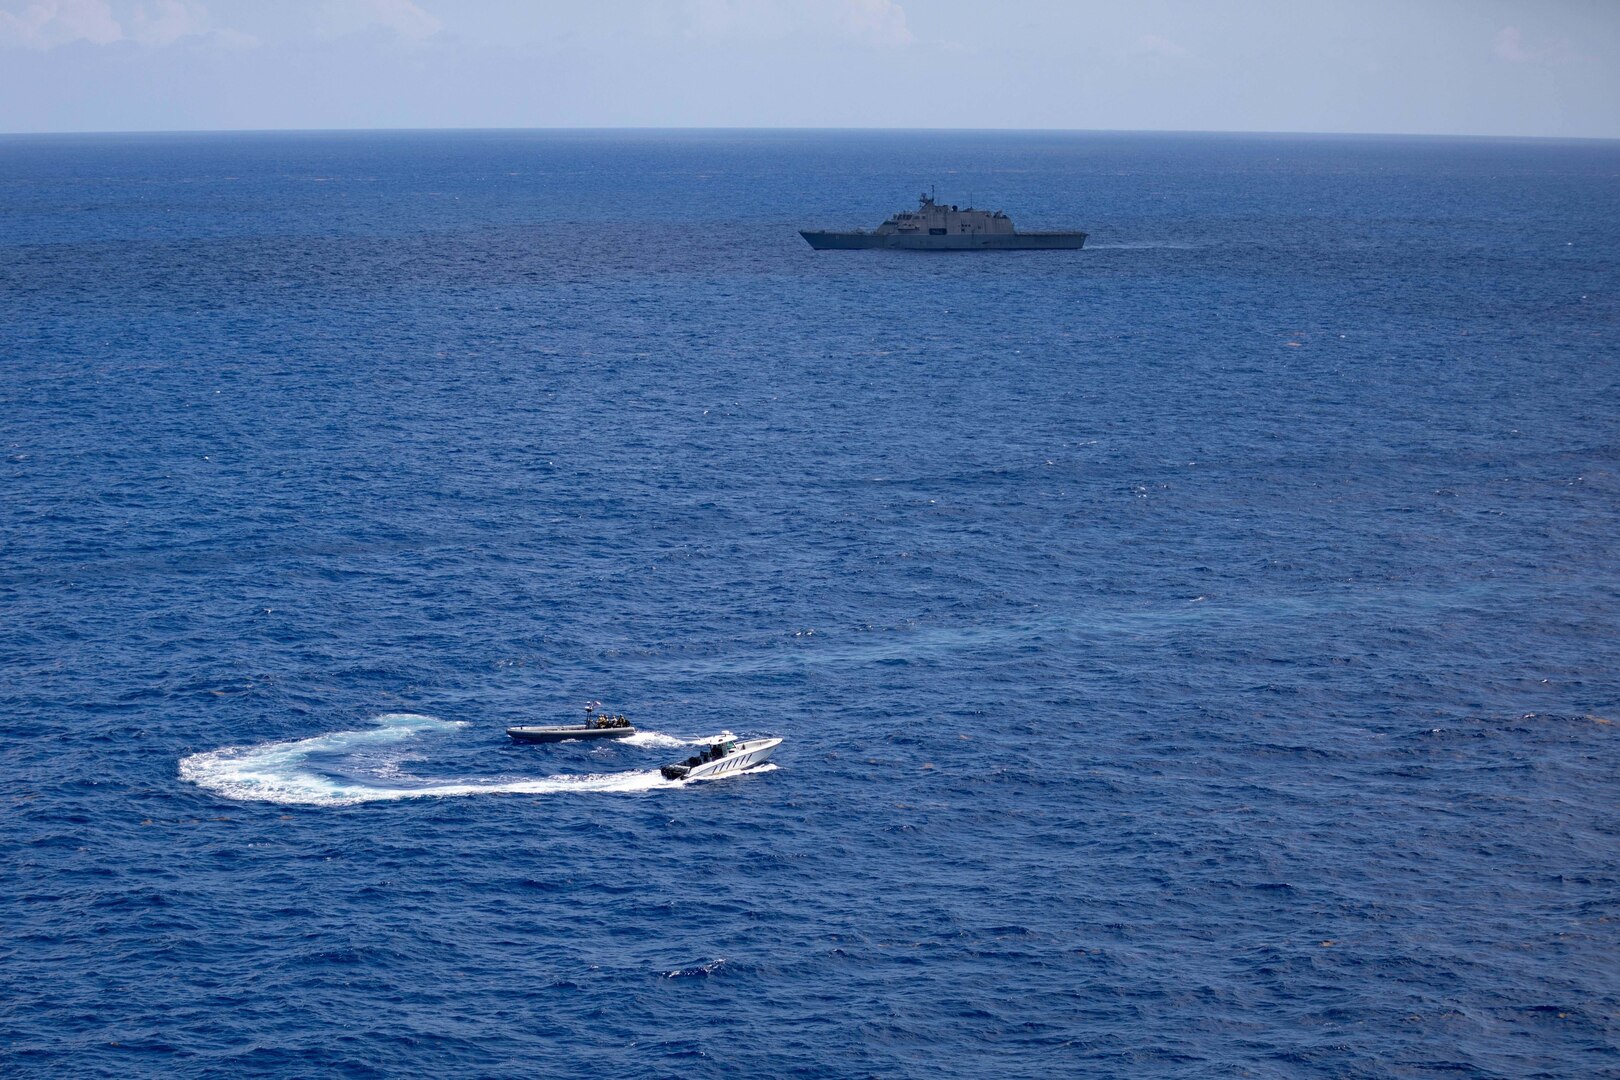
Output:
x=1051 y=241
x=563 y=734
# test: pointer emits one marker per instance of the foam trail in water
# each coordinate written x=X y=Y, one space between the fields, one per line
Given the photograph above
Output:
x=654 y=738
x=658 y=738
x=282 y=772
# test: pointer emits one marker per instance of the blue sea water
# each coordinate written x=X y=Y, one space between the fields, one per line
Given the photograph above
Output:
x=1196 y=655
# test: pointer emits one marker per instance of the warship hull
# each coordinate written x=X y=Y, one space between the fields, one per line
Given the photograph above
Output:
x=1034 y=241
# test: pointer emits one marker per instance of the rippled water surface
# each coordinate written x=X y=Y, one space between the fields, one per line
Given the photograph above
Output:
x=1196 y=655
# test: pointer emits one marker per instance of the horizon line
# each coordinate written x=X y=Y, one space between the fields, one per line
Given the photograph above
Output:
x=807 y=129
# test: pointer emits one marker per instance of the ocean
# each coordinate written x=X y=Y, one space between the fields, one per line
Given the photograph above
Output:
x=1195 y=656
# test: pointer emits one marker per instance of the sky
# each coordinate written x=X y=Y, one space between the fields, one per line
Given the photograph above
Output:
x=1460 y=67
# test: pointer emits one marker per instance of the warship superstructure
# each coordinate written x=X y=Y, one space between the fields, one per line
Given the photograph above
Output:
x=937 y=226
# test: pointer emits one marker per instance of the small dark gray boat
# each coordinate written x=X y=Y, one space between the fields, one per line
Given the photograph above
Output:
x=596 y=726
x=937 y=227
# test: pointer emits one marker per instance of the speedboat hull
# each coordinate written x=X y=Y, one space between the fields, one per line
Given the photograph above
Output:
x=740 y=758
x=562 y=734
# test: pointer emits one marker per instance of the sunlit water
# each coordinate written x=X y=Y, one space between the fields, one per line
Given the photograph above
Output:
x=1195 y=655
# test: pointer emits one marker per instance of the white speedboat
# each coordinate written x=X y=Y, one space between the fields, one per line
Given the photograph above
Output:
x=726 y=756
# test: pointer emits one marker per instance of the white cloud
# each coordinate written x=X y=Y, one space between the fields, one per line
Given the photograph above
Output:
x=48 y=24
x=1510 y=46
x=401 y=16
x=45 y=24
x=167 y=21
x=1154 y=45
x=869 y=22
x=874 y=22
x=737 y=19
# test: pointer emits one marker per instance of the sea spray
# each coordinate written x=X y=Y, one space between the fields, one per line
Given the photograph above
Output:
x=345 y=768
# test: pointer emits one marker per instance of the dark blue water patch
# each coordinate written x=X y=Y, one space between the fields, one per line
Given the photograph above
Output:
x=1194 y=654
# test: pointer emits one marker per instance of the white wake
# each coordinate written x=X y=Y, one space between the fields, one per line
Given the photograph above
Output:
x=292 y=772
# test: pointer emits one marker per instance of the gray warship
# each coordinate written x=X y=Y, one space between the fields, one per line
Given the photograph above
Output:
x=940 y=227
